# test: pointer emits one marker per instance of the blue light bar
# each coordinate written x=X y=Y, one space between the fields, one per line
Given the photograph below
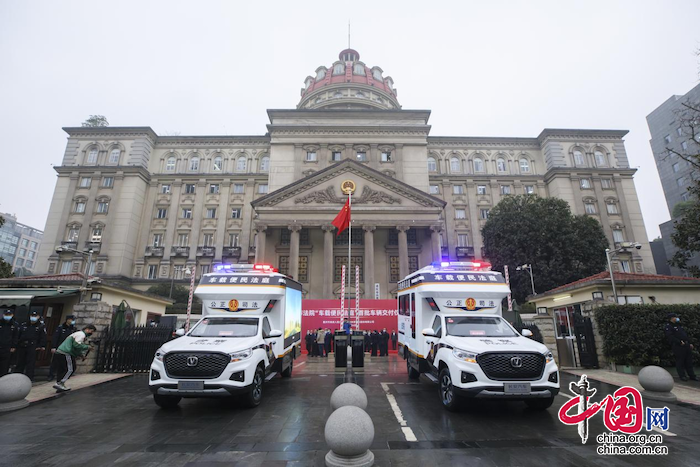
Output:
x=233 y=267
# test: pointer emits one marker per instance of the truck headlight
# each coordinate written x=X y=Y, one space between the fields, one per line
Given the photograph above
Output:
x=464 y=355
x=549 y=357
x=241 y=355
x=160 y=354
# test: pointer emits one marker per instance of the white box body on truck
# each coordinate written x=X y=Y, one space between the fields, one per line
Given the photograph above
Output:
x=250 y=330
x=452 y=330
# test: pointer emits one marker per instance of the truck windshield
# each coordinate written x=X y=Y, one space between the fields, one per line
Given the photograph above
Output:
x=478 y=326
x=226 y=327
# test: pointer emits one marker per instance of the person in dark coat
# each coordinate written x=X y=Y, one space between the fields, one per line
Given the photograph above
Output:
x=385 y=343
x=59 y=335
x=681 y=346
x=32 y=337
x=9 y=330
x=368 y=342
x=309 y=343
x=375 y=342
x=328 y=341
x=394 y=339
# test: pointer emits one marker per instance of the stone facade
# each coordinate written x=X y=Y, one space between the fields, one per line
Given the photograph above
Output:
x=152 y=205
x=98 y=314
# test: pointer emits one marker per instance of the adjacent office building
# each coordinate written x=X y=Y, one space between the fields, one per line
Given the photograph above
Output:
x=19 y=245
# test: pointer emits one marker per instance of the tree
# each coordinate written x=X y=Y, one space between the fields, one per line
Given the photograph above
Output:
x=5 y=268
x=181 y=296
x=96 y=120
x=561 y=247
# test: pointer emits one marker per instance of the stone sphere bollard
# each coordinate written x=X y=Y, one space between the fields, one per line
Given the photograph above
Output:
x=348 y=394
x=349 y=433
x=13 y=390
x=657 y=384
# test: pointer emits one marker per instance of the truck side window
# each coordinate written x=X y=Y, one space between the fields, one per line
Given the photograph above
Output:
x=266 y=328
x=437 y=326
x=413 y=316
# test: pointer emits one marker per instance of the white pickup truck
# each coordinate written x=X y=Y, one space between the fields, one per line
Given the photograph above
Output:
x=451 y=329
x=249 y=332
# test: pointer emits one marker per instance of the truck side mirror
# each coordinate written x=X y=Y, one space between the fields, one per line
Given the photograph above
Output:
x=180 y=332
x=428 y=332
x=526 y=333
x=274 y=333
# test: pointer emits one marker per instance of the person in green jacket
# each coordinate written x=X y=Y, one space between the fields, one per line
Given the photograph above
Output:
x=74 y=346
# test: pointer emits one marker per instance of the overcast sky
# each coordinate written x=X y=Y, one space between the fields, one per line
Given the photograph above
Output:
x=497 y=68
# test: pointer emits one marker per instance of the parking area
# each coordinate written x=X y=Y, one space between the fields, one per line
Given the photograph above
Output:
x=118 y=423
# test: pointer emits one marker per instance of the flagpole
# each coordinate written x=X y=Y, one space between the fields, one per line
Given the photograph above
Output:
x=349 y=250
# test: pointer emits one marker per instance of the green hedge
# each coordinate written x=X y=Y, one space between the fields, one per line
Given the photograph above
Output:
x=634 y=334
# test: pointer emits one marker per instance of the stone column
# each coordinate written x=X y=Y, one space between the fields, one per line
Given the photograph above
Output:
x=328 y=271
x=369 y=260
x=294 y=250
x=169 y=241
x=403 y=250
x=222 y=218
x=261 y=238
x=435 y=242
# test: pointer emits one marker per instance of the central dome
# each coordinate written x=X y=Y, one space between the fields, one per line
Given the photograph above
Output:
x=348 y=84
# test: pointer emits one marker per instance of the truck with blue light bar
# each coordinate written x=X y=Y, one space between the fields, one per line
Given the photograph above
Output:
x=451 y=329
x=250 y=331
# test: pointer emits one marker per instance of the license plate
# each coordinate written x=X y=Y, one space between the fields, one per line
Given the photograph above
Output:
x=516 y=388
x=190 y=385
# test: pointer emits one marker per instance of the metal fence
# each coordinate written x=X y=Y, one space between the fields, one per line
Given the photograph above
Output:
x=536 y=334
x=130 y=349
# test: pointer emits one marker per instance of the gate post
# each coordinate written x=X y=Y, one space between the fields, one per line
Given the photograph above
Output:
x=546 y=325
x=100 y=315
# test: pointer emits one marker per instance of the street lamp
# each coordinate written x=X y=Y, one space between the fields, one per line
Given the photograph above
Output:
x=83 y=288
x=172 y=280
x=624 y=246
x=528 y=267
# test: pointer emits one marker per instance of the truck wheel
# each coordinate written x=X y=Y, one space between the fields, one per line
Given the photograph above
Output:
x=539 y=404
x=412 y=373
x=254 y=395
x=166 y=402
x=287 y=373
x=450 y=400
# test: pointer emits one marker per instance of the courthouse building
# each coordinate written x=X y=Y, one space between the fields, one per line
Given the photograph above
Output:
x=151 y=206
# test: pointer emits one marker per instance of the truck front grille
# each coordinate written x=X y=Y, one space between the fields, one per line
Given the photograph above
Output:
x=508 y=366
x=195 y=364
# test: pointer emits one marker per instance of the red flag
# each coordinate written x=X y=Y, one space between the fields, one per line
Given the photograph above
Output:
x=342 y=220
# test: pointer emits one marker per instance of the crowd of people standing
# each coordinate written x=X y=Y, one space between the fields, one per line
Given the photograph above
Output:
x=320 y=342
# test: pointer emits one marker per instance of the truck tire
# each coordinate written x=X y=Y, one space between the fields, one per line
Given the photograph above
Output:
x=287 y=373
x=450 y=400
x=412 y=373
x=166 y=402
x=253 y=396
x=539 y=404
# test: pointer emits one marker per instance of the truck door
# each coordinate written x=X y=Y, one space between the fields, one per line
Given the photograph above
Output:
x=437 y=329
x=413 y=315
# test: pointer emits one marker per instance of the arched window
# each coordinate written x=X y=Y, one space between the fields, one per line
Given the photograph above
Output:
x=360 y=95
x=170 y=164
x=114 y=156
x=501 y=164
x=524 y=166
x=338 y=69
x=92 y=156
x=194 y=164
x=359 y=69
x=218 y=164
x=432 y=165
x=241 y=164
x=600 y=159
x=320 y=74
x=478 y=164
x=265 y=164
x=579 y=159
x=338 y=94
x=455 y=165
x=377 y=75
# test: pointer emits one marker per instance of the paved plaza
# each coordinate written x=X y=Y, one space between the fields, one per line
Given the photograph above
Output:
x=117 y=423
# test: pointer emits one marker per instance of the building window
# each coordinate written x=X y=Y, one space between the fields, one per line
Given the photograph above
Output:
x=34 y=245
x=152 y=271
x=578 y=159
x=394 y=268
x=478 y=165
x=73 y=234
x=676 y=167
x=432 y=164
x=455 y=165
x=85 y=182
x=303 y=275
x=66 y=267
x=262 y=188
x=107 y=182
x=484 y=214
x=612 y=207
x=680 y=181
x=238 y=188
x=19 y=262
x=286 y=236
x=218 y=164
x=341 y=261
x=434 y=189
x=96 y=234
x=590 y=207
x=617 y=236
x=501 y=165
x=386 y=156
x=505 y=189
x=685 y=196
x=170 y=164
x=157 y=240
x=311 y=156
x=336 y=156
x=186 y=213
x=625 y=265
x=79 y=207
x=361 y=156
x=342 y=238
x=208 y=239
x=92 y=156
x=481 y=189
x=162 y=213
x=183 y=239
x=190 y=188
x=457 y=190
x=265 y=164
x=22 y=252
x=165 y=189
x=462 y=240
x=103 y=207
x=235 y=213
x=24 y=242
x=233 y=239
x=460 y=214
x=31 y=254
x=338 y=69
x=600 y=159
x=606 y=183
x=241 y=164
x=214 y=189
x=194 y=164
x=114 y=156
x=684 y=145
x=529 y=190
x=206 y=268
x=585 y=183
x=211 y=213
x=524 y=166
x=667 y=139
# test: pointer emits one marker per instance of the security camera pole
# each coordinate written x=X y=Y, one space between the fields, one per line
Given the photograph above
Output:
x=528 y=267
x=624 y=246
